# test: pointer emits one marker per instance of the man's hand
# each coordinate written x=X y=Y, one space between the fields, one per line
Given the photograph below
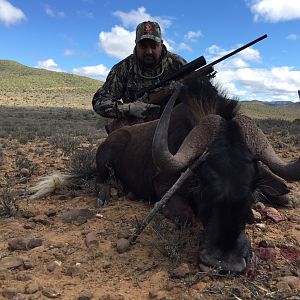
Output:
x=138 y=109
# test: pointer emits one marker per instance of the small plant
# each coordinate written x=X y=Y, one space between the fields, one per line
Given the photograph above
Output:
x=174 y=239
x=8 y=206
x=83 y=162
x=23 y=162
x=1 y=157
x=65 y=142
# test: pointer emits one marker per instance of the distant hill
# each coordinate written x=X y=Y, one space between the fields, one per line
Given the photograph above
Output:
x=23 y=85
x=14 y=75
x=266 y=110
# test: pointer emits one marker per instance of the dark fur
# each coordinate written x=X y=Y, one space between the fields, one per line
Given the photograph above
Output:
x=219 y=193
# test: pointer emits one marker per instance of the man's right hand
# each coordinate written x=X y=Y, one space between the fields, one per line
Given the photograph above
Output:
x=138 y=109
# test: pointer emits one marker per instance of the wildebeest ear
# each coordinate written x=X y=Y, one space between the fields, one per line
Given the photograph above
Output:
x=269 y=183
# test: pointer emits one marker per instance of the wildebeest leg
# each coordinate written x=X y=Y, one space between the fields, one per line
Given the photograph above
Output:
x=106 y=158
x=177 y=208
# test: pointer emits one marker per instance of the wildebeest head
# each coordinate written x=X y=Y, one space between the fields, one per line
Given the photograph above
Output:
x=222 y=187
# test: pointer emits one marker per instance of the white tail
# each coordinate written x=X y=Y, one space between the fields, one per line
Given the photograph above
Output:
x=49 y=184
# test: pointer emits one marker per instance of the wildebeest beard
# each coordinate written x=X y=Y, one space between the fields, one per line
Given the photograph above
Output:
x=221 y=194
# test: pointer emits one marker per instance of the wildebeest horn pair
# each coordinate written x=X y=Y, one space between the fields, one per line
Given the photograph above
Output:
x=201 y=136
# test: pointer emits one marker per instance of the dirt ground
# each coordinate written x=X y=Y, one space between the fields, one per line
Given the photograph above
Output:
x=81 y=259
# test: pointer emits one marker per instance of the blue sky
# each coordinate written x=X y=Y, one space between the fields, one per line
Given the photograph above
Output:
x=87 y=37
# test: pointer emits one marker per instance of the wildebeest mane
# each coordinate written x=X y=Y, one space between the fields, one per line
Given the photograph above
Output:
x=204 y=98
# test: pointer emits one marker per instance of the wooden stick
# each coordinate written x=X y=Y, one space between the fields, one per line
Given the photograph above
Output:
x=158 y=205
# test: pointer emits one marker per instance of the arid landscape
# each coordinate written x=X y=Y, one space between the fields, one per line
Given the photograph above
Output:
x=61 y=247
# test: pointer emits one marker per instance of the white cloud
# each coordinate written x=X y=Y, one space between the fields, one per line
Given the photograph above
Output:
x=10 y=14
x=241 y=79
x=98 y=72
x=183 y=46
x=118 y=43
x=134 y=17
x=192 y=35
x=53 y=14
x=274 y=10
x=278 y=83
x=292 y=37
x=49 y=64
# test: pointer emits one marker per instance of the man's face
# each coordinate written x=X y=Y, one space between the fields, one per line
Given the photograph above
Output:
x=148 y=52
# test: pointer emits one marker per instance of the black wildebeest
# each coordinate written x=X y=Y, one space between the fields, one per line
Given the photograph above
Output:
x=222 y=188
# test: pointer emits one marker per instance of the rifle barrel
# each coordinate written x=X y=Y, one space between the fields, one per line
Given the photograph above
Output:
x=236 y=51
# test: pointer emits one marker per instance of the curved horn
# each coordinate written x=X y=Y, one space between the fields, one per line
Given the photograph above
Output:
x=261 y=147
x=193 y=145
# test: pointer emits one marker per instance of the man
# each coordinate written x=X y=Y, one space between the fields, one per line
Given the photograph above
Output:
x=151 y=62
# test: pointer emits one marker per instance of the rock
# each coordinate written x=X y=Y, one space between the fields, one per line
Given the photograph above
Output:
x=10 y=292
x=51 y=212
x=20 y=296
x=257 y=215
x=123 y=235
x=267 y=254
x=36 y=296
x=27 y=214
x=283 y=287
x=294 y=219
x=24 y=243
x=266 y=244
x=24 y=172
x=261 y=226
x=23 y=277
x=77 y=215
x=181 y=271
x=157 y=295
x=273 y=214
x=29 y=225
x=11 y=263
x=290 y=252
x=41 y=219
x=28 y=265
x=72 y=271
x=85 y=295
x=51 y=293
x=292 y=281
x=31 y=288
x=123 y=245
x=52 y=266
x=91 y=240
x=259 y=206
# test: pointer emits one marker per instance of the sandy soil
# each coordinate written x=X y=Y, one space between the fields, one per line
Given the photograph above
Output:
x=161 y=265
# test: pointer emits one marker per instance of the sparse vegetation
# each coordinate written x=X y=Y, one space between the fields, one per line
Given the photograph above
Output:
x=8 y=205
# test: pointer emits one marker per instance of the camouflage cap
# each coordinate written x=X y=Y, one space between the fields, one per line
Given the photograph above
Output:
x=148 y=30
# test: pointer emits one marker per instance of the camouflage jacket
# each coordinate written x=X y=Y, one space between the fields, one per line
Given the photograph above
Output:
x=126 y=79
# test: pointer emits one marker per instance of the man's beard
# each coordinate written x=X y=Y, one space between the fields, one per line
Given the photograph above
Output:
x=149 y=61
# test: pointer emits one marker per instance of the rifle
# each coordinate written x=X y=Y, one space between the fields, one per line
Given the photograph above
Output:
x=197 y=67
